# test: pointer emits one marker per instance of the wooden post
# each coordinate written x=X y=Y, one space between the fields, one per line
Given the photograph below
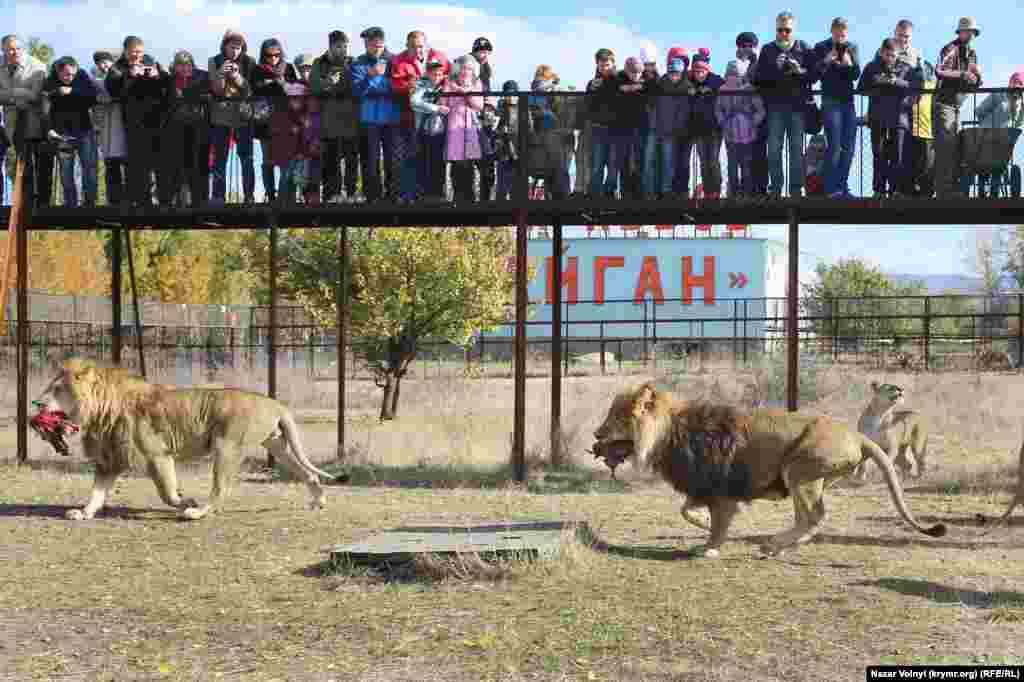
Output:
x=927 y=332
x=556 y=344
x=272 y=357
x=115 y=294
x=342 y=304
x=24 y=198
x=792 y=315
x=135 y=302
x=519 y=409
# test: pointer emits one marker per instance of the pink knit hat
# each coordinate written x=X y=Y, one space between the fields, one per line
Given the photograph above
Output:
x=1017 y=76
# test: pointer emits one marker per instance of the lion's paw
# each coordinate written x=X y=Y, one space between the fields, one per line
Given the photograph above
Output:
x=75 y=515
x=316 y=505
x=192 y=513
x=709 y=553
x=189 y=503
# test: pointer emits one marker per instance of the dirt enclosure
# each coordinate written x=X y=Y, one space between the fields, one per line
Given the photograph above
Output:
x=136 y=594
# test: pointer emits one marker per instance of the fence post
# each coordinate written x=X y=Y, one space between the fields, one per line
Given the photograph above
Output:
x=927 y=332
x=601 y=331
x=735 y=330
x=745 y=301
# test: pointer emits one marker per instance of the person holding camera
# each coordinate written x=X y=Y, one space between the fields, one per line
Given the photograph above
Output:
x=784 y=80
x=887 y=80
x=331 y=80
x=230 y=72
x=68 y=97
x=837 y=66
x=186 y=137
x=957 y=71
x=143 y=87
x=378 y=114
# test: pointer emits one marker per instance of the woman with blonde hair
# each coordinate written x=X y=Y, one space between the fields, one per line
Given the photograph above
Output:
x=551 y=142
x=462 y=147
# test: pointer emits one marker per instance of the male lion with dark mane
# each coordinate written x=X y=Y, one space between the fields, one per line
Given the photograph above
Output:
x=128 y=423
x=718 y=457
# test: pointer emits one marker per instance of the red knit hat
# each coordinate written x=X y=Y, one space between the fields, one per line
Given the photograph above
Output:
x=677 y=53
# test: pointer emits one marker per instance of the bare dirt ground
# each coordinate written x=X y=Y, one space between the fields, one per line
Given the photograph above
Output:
x=137 y=594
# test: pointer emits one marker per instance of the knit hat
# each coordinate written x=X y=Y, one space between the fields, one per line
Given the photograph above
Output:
x=510 y=86
x=372 y=32
x=678 y=53
x=336 y=36
x=436 y=59
x=102 y=56
x=1019 y=76
x=482 y=43
x=701 y=60
x=732 y=69
x=183 y=57
x=602 y=54
x=64 y=61
x=747 y=37
x=676 y=65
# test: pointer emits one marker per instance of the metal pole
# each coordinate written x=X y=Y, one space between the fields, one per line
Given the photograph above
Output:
x=27 y=201
x=115 y=295
x=342 y=336
x=556 y=344
x=519 y=410
x=927 y=332
x=135 y=302
x=272 y=359
x=793 y=329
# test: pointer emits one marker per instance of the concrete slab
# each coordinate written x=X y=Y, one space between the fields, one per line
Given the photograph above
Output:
x=507 y=539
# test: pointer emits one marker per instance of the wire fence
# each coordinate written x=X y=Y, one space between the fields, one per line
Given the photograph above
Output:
x=915 y=333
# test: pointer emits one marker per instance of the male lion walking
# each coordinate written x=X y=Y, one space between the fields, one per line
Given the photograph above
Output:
x=127 y=422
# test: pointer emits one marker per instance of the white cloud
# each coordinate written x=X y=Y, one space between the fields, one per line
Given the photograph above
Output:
x=197 y=25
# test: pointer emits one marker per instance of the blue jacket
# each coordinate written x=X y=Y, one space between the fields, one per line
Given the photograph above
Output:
x=784 y=91
x=890 y=104
x=702 y=115
x=377 y=105
x=837 y=80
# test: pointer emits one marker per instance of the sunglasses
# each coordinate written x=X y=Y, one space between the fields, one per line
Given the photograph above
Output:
x=783 y=30
x=274 y=54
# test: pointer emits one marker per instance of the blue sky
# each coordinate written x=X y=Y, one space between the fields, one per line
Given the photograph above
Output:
x=563 y=34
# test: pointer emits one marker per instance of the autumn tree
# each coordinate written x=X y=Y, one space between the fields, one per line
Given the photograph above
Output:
x=408 y=286
x=851 y=287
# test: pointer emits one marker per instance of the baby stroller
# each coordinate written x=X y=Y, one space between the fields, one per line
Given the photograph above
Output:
x=986 y=155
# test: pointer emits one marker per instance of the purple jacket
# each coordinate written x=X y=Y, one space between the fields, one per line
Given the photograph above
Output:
x=739 y=115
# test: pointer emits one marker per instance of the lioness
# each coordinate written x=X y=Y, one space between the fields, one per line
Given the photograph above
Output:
x=902 y=434
x=1018 y=497
x=766 y=454
x=128 y=422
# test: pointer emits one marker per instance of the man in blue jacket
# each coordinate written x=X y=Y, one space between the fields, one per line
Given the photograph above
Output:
x=784 y=80
x=837 y=66
x=371 y=84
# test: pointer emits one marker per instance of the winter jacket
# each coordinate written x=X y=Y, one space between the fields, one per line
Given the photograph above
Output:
x=837 y=79
x=425 y=99
x=508 y=129
x=68 y=114
x=377 y=105
x=921 y=115
x=1001 y=110
x=231 y=114
x=339 y=108
x=143 y=98
x=630 y=107
x=463 y=141
x=108 y=120
x=739 y=115
x=672 y=104
x=291 y=128
x=702 y=115
x=784 y=90
x=406 y=71
x=20 y=95
x=602 y=94
x=890 y=104
x=955 y=57
x=192 y=106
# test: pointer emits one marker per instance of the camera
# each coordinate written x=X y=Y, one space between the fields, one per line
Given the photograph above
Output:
x=841 y=49
x=791 y=65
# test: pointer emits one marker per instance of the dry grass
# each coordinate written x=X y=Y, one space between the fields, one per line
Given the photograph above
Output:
x=246 y=595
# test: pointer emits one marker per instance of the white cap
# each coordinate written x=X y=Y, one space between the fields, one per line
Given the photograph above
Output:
x=648 y=53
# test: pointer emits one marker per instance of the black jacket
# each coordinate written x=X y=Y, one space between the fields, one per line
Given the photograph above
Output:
x=69 y=114
x=143 y=98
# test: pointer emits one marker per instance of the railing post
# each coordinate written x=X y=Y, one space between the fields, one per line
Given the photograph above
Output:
x=342 y=306
x=793 y=329
x=115 y=294
x=927 y=332
x=272 y=345
x=555 y=277
x=27 y=202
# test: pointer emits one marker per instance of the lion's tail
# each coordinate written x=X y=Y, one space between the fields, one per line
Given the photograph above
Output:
x=1018 y=498
x=870 y=449
x=291 y=434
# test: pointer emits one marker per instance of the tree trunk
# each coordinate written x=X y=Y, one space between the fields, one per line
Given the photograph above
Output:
x=392 y=378
x=387 y=404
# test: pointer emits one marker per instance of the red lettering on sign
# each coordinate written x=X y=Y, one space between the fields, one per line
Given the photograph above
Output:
x=705 y=281
x=602 y=263
x=568 y=278
x=649 y=279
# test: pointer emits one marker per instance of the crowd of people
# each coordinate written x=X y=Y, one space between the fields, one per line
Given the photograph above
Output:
x=378 y=126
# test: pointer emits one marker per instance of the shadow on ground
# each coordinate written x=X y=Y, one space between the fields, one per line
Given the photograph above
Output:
x=945 y=594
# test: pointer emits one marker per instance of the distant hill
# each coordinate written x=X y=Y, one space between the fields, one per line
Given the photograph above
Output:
x=937 y=284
